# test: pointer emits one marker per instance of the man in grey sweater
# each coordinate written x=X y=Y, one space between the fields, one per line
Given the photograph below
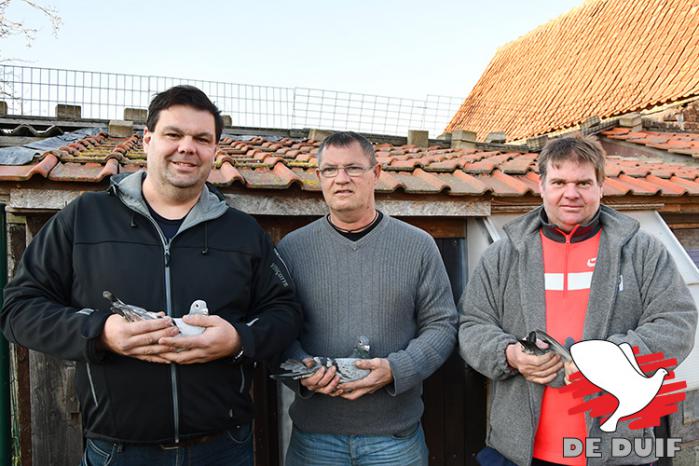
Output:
x=581 y=271
x=360 y=272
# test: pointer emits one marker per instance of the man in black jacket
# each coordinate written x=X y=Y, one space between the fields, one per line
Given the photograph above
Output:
x=160 y=240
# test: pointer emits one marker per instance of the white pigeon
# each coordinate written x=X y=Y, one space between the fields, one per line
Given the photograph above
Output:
x=198 y=307
x=615 y=370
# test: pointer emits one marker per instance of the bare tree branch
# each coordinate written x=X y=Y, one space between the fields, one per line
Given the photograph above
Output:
x=10 y=27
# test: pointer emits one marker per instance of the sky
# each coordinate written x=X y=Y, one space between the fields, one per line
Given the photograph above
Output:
x=394 y=48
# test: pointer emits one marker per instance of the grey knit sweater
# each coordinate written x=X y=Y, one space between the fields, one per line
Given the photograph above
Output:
x=390 y=285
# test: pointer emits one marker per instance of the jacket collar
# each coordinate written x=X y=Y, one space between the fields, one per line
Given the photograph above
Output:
x=578 y=234
x=128 y=188
x=520 y=230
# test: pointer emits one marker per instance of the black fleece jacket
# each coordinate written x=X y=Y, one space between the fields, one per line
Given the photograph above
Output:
x=108 y=241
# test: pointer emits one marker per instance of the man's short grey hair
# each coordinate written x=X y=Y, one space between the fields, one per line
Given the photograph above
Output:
x=346 y=139
x=578 y=149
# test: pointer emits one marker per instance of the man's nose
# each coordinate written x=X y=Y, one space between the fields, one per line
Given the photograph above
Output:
x=342 y=176
x=186 y=145
x=571 y=190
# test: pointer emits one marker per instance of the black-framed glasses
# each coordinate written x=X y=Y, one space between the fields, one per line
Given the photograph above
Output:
x=351 y=170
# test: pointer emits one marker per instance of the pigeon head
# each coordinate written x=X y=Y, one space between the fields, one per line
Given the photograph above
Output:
x=199 y=307
x=363 y=346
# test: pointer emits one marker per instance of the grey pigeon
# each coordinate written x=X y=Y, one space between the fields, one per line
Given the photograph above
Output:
x=128 y=311
x=530 y=346
x=134 y=313
x=346 y=369
x=198 y=307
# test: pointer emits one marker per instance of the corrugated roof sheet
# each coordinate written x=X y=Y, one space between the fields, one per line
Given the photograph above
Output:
x=258 y=163
x=603 y=58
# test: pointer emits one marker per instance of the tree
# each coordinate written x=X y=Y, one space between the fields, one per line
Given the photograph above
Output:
x=9 y=27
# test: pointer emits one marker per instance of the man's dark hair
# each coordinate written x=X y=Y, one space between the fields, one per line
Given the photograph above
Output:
x=346 y=139
x=580 y=150
x=189 y=96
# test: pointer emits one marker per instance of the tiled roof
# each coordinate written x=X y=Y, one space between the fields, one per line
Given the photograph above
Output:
x=677 y=143
x=258 y=164
x=603 y=58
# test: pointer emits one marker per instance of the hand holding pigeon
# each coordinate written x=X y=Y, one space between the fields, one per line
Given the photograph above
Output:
x=320 y=372
x=535 y=359
x=134 y=313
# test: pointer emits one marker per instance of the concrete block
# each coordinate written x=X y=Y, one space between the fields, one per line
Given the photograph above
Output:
x=68 y=112
x=3 y=108
x=496 y=137
x=463 y=135
x=120 y=128
x=630 y=120
x=137 y=115
x=319 y=134
x=537 y=143
x=462 y=139
x=444 y=137
x=590 y=124
x=227 y=121
x=418 y=137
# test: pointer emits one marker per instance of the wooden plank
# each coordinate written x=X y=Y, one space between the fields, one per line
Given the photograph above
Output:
x=475 y=413
x=56 y=427
x=433 y=417
x=266 y=442
x=456 y=415
x=55 y=413
x=439 y=227
x=21 y=387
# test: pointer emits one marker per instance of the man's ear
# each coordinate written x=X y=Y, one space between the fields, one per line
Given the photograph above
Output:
x=147 y=135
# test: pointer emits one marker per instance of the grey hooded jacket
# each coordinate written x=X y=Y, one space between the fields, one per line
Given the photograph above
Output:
x=637 y=296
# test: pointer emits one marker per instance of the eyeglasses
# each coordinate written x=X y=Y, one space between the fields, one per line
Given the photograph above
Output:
x=351 y=170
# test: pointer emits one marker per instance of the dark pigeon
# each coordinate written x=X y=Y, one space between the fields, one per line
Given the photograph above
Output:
x=530 y=346
x=346 y=369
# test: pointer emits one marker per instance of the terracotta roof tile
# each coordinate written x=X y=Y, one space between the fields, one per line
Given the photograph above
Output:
x=24 y=172
x=639 y=186
x=678 y=143
x=504 y=185
x=84 y=172
x=225 y=175
x=603 y=58
x=454 y=172
x=613 y=187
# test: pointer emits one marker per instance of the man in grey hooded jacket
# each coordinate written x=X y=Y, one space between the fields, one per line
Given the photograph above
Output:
x=626 y=290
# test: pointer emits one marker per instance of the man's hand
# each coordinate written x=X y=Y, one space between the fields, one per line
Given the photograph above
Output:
x=570 y=369
x=380 y=376
x=138 y=340
x=219 y=340
x=538 y=369
x=324 y=381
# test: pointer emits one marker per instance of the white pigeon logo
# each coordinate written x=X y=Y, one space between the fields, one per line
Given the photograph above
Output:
x=615 y=370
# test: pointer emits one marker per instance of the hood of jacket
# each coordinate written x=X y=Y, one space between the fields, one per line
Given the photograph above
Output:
x=128 y=188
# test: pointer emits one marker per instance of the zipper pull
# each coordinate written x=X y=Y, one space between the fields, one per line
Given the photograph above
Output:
x=167 y=255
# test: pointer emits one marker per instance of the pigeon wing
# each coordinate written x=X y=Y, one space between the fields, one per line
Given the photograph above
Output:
x=554 y=345
x=348 y=371
x=296 y=369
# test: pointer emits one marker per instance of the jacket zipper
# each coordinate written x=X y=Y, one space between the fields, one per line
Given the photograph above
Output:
x=168 y=308
x=173 y=367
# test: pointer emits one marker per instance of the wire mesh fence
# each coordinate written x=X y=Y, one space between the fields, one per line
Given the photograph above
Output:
x=33 y=91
